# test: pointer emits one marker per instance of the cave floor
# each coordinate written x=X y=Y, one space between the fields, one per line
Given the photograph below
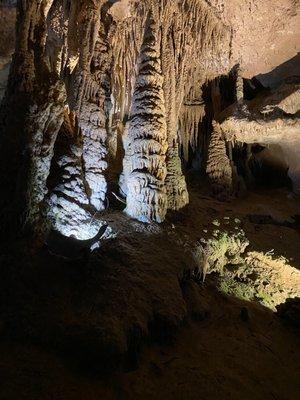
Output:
x=193 y=342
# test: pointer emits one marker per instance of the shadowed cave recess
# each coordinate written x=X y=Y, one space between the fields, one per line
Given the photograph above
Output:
x=150 y=210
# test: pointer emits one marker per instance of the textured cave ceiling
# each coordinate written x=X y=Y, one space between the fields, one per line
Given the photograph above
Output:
x=264 y=34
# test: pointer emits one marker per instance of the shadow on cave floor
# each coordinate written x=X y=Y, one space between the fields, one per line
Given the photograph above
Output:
x=130 y=323
x=218 y=354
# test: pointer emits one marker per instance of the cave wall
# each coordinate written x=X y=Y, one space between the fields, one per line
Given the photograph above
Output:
x=96 y=93
x=74 y=73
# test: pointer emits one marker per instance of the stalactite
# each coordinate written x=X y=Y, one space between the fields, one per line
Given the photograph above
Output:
x=62 y=59
x=145 y=139
x=189 y=30
x=125 y=39
x=239 y=85
x=191 y=114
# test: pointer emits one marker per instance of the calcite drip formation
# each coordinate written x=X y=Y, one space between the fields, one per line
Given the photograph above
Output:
x=104 y=92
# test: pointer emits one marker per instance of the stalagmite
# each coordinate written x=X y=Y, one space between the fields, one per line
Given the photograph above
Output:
x=69 y=208
x=218 y=165
x=112 y=76
x=145 y=138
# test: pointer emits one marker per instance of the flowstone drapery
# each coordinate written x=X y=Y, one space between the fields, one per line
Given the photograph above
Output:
x=30 y=118
x=271 y=119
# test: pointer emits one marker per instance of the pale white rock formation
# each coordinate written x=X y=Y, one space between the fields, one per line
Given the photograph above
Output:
x=69 y=208
x=145 y=138
x=92 y=119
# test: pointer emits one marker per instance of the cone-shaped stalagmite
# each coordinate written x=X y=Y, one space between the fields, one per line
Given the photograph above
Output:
x=218 y=165
x=145 y=139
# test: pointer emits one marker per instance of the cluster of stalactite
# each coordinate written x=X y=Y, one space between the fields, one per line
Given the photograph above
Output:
x=87 y=76
x=191 y=114
x=102 y=90
x=190 y=40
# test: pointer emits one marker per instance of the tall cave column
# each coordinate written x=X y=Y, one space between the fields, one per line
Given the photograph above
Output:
x=220 y=168
x=145 y=138
x=177 y=193
x=30 y=118
x=92 y=121
x=78 y=185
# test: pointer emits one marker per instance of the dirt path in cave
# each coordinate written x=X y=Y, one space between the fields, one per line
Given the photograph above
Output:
x=221 y=357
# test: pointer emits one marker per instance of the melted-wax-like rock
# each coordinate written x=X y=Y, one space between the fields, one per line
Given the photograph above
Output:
x=68 y=204
x=145 y=139
x=31 y=116
x=92 y=121
x=218 y=165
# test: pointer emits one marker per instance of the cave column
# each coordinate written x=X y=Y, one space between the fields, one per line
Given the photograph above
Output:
x=30 y=118
x=219 y=166
x=145 y=137
x=93 y=119
x=177 y=193
x=78 y=190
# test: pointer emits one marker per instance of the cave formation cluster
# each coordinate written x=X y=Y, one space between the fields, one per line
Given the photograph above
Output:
x=103 y=93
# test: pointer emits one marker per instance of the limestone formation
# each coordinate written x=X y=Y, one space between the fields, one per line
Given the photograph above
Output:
x=271 y=119
x=218 y=165
x=102 y=92
x=31 y=116
x=145 y=138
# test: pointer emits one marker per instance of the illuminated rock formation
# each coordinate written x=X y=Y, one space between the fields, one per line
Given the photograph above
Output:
x=96 y=85
x=145 y=138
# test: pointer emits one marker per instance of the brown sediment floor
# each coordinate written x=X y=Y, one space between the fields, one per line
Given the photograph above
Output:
x=184 y=340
